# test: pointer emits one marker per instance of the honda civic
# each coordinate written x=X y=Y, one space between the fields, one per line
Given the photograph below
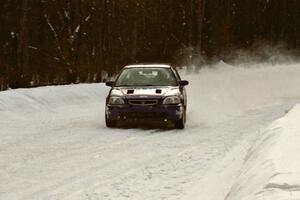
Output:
x=147 y=93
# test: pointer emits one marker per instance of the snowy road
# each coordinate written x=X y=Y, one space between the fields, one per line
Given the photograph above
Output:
x=54 y=144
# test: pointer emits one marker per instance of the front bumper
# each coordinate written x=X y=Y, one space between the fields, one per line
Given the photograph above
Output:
x=160 y=113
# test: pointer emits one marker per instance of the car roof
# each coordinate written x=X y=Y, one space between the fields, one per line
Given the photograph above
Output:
x=147 y=65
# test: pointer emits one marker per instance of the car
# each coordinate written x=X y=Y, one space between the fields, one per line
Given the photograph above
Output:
x=147 y=93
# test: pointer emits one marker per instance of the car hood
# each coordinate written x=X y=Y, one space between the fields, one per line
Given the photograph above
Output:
x=145 y=91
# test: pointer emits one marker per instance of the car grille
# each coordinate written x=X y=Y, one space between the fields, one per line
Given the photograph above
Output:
x=143 y=102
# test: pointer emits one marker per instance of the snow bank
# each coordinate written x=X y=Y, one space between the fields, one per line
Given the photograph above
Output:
x=226 y=91
x=272 y=168
x=215 y=94
x=21 y=103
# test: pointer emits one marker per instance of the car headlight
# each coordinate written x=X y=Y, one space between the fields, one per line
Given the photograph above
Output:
x=172 y=100
x=116 y=100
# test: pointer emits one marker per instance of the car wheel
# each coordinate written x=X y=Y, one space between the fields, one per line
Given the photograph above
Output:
x=110 y=123
x=180 y=124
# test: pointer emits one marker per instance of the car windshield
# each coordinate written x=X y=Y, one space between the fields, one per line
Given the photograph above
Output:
x=146 y=77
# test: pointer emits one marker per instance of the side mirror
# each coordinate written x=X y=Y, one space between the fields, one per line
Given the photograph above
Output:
x=110 y=83
x=183 y=83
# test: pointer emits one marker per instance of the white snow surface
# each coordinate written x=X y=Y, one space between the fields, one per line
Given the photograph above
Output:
x=272 y=167
x=54 y=143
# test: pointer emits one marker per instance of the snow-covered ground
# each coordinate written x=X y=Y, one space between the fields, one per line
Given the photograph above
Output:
x=271 y=169
x=54 y=143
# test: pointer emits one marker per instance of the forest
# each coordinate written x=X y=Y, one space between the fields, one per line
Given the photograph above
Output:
x=50 y=42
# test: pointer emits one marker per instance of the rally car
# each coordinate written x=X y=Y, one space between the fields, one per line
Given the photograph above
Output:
x=147 y=93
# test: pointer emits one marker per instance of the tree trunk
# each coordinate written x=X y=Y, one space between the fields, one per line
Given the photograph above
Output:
x=201 y=19
x=22 y=76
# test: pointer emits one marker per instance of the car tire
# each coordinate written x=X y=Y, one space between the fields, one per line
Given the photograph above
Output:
x=180 y=124
x=110 y=123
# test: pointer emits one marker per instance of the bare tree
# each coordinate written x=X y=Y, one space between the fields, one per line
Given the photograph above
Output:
x=64 y=41
x=22 y=52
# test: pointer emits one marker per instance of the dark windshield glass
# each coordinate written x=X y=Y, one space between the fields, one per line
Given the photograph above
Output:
x=146 y=77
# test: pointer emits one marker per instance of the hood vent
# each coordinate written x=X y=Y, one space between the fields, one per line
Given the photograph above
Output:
x=158 y=91
x=130 y=91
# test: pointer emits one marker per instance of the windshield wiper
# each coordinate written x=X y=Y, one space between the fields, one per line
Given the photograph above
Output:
x=146 y=85
x=135 y=85
x=124 y=85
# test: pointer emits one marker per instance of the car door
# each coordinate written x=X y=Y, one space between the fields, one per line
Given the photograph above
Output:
x=181 y=88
